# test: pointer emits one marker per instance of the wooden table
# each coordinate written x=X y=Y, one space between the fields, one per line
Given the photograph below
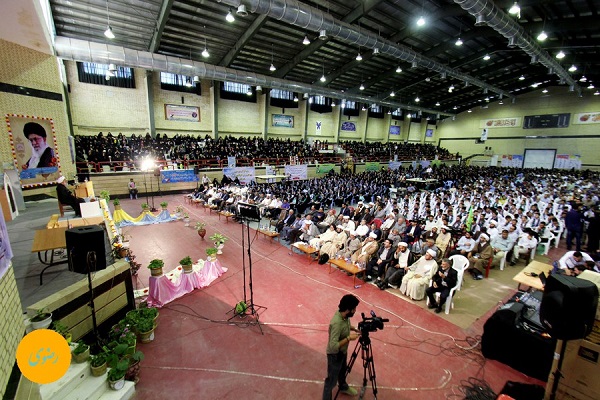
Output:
x=226 y=214
x=306 y=249
x=48 y=240
x=269 y=233
x=524 y=278
x=347 y=266
x=55 y=222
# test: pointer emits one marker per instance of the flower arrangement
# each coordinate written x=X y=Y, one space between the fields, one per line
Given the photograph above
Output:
x=218 y=239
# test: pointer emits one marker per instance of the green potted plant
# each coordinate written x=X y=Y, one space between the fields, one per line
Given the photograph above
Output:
x=81 y=353
x=201 y=228
x=178 y=211
x=42 y=319
x=163 y=205
x=148 y=312
x=117 y=204
x=186 y=218
x=156 y=267
x=219 y=241
x=116 y=375
x=145 y=207
x=62 y=330
x=211 y=252
x=98 y=364
x=133 y=370
x=186 y=263
x=105 y=194
x=145 y=328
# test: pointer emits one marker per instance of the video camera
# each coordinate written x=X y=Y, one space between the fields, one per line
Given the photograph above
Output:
x=371 y=324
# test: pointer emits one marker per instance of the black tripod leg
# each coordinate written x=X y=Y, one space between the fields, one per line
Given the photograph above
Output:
x=350 y=364
x=371 y=368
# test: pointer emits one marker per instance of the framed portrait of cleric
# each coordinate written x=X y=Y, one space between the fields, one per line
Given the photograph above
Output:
x=34 y=149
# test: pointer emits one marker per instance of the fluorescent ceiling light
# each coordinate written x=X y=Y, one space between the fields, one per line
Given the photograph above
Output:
x=560 y=55
x=306 y=42
x=486 y=57
x=542 y=36
x=459 y=42
x=421 y=21
x=229 y=17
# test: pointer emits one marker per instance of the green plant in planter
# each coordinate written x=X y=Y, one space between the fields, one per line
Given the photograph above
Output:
x=105 y=194
x=116 y=202
x=218 y=239
x=200 y=225
x=62 y=330
x=145 y=325
x=81 y=348
x=186 y=261
x=156 y=264
x=211 y=251
x=118 y=370
x=186 y=215
x=147 y=312
x=41 y=315
x=145 y=207
x=98 y=360
x=164 y=204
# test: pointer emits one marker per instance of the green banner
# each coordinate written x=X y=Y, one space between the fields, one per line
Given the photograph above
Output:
x=372 y=166
x=324 y=168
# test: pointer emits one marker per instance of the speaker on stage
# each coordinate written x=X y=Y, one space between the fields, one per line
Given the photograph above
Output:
x=82 y=240
x=569 y=306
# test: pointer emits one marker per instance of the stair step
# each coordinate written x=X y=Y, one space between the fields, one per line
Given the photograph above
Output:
x=125 y=393
x=67 y=383
x=90 y=388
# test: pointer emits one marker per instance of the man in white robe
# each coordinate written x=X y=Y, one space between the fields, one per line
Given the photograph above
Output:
x=416 y=280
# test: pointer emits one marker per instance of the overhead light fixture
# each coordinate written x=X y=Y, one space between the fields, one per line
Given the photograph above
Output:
x=306 y=42
x=515 y=10
x=560 y=55
x=486 y=57
x=392 y=94
x=480 y=20
x=358 y=57
x=188 y=82
x=249 y=92
x=421 y=21
x=108 y=32
x=259 y=88
x=542 y=36
x=323 y=79
x=545 y=91
x=295 y=99
x=196 y=79
x=596 y=93
x=512 y=42
x=272 y=67
x=414 y=64
x=362 y=87
x=112 y=67
x=469 y=110
x=398 y=70
x=375 y=51
x=437 y=104
x=205 y=51
x=451 y=88
x=229 y=17
x=591 y=86
x=487 y=99
x=417 y=99
x=459 y=42
x=389 y=112
x=583 y=79
x=455 y=108
x=500 y=102
x=332 y=103
x=408 y=115
x=573 y=68
x=323 y=35
x=535 y=85
x=241 y=11
x=364 y=108
x=522 y=78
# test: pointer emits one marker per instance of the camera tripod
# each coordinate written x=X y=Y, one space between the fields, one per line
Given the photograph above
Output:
x=366 y=353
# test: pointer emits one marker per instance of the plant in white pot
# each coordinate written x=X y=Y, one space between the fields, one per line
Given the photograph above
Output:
x=219 y=241
x=42 y=319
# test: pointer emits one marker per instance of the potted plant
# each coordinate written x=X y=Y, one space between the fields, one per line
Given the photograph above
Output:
x=211 y=252
x=98 y=364
x=133 y=370
x=163 y=205
x=105 y=194
x=63 y=331
x=145 y=328
x=186 y=263
x=186 y=218
x=219 y=241
x=81 y=353
x=117 y=204
x=148 y=312
x=145 y=207
x=116 y=375
x=42 y=319
x=201 y=228
x=178 y=211
x=156 y=267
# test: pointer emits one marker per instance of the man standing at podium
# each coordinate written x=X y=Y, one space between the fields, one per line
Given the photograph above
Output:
x=66 y=197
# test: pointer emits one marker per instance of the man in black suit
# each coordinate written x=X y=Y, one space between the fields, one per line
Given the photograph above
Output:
x=384 y=258
x=287 y=221
x=444 y=280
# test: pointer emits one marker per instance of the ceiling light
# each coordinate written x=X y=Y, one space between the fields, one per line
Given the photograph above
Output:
x=459 y=42
x=188 y=82
x=596 y=93
x=249 y=92
x=392 y=94
x=486 y=57
x=469 y=110
x=591 y=86
x=205 y=53
x=451 y=88
x=421 y=21
x=375 y=51
x=500 y=102
x=323 y=79
x=408 y=115
x=522 y=78
x=109 y=33
x=573 y=68
x=535 y=85
x=560 y=55
x=545 y=91
x=112 y=67
x=389 y=112
x=196 y=79
x=455 y=108
x=512 y=42
x=417 y=99
x=362 y=87
x=332 y=103
x=479 y=20
x=295 y=98
x=487 y=99
x=229 y=17
x=364 y=108
x=414 y=64
x=358 y=57
x=542 y=36
x=241 y=10
x=515 y=9
x=323 y=35
x=306 y=42
x=398 y=70
x=272 y=68
x=583 y=79
x=437 y=104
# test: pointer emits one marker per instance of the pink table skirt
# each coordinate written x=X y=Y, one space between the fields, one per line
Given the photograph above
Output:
x=166 y=288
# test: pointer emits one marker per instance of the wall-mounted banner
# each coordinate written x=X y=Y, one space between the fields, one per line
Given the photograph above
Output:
x=318 y=126
x=429 y=133
x=348 y=126
x=394 y=165
x=34 y=149
x=296 y=172
x=244 y=174
x=284 y=121
x=394 y=130
x=566 y=161
x=500 y=123
x=324 y=168
x=178 y=175
x=372 y=166
x=231 y=161
x=484 y=134
x=514 y=161
x=176 y=112
x=587 y=118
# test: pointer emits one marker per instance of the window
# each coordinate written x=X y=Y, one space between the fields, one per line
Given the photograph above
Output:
x=238 y=91
x=320 y=104
x=283 y=98
x=179 y=83
x=376 y=111
x=282 y=94
x=350 y=108
x=101 y=74
x=397 y=114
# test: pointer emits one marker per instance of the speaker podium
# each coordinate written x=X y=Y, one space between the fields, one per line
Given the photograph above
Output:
x=82 y=240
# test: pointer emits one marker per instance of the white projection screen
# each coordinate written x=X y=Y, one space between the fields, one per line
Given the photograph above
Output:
x=539 y=158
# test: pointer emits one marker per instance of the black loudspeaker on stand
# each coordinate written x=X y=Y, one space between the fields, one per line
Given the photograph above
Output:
x=82 y=240
x=568 y=311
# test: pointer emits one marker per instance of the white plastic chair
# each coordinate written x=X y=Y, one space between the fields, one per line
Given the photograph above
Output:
x=546 y=245
x=460 y=264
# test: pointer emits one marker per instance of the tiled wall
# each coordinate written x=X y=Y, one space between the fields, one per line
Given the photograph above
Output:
x=11 y=326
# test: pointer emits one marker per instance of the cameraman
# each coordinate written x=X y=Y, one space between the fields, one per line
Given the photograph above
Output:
x=340 y=335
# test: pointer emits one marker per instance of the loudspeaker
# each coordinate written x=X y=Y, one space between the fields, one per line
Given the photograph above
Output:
x=569 y=307
x=248 y=211
x=82 y=240
x=509 y=314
